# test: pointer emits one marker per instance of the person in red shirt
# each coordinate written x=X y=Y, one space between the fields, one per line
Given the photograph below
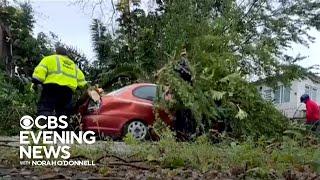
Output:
x=313 y=111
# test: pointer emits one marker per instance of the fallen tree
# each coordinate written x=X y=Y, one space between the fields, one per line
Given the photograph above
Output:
x=230 y=43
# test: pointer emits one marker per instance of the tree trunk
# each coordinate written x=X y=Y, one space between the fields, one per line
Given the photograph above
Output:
x=3 y=53
x=6 y=49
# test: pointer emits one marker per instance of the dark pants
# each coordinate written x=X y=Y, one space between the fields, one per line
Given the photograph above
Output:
x=315 y=126
x=185 y=123
x=55 y=100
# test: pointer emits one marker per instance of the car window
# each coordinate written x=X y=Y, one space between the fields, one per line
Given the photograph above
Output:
x=146 y=92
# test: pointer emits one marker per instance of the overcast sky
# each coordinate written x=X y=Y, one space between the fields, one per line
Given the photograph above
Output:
x=66 y=20
x=72 y=24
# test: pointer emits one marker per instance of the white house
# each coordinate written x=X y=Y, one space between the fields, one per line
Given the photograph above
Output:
x=287 y=99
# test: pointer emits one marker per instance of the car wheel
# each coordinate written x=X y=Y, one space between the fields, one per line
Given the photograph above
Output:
x=101 y=136
x=138 y=129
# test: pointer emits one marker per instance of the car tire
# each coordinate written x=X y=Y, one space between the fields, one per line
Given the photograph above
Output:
x=138 y=129
x=101 y=136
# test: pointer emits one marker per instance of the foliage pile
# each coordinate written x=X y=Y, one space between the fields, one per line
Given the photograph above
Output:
x=228 y=99
x=228 y=43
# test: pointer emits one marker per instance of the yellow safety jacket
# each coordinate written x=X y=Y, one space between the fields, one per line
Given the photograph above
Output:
x=58 y=69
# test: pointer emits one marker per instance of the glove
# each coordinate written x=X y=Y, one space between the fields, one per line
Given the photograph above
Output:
x=34 y=87
x=31 y=87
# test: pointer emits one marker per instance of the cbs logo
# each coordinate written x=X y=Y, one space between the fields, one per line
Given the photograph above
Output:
x=26 y=122
x=44 y=122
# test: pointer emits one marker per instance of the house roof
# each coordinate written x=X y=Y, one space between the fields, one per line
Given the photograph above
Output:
x=313 y=77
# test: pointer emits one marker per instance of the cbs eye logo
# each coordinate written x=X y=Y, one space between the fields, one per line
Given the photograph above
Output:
x=26 y=122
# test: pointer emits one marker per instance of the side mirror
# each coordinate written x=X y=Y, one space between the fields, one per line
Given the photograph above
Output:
x=91 y=109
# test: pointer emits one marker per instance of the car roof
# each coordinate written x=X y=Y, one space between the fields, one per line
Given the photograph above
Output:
x=142 y=84
x=128 y=87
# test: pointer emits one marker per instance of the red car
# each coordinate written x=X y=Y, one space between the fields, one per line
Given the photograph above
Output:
x=126 y=110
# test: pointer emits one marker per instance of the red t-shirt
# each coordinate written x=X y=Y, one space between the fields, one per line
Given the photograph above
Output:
x=312 y=111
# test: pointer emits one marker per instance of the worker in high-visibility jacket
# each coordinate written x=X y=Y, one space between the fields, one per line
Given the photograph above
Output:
x=59 y=77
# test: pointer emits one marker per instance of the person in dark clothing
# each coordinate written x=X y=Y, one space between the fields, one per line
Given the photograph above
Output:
x=183 y=67
x=184 y=123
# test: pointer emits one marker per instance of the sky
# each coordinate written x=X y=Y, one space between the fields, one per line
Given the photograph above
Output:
x=68 y=21
x=71 y=23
